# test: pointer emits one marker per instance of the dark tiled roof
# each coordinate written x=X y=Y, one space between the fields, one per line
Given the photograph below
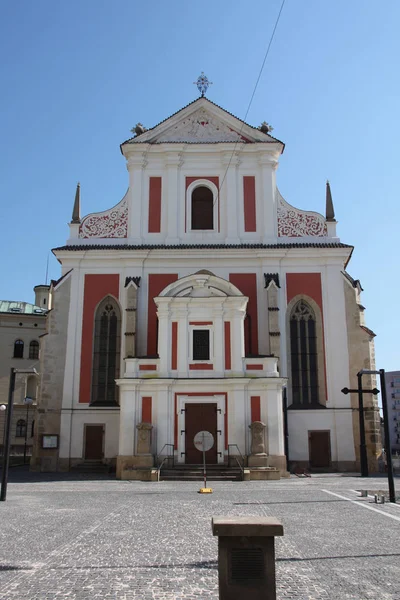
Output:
x=218 y=106
x=72 y=247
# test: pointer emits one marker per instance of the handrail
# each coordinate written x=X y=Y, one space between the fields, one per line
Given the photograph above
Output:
x=241 y=466
x=170 y=455
x=237 y=448
x=160 y=467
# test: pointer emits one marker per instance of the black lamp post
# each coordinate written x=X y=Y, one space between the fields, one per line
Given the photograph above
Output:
x=6 y=454
x=363 y=446
x=388 y=447
x=28 y=401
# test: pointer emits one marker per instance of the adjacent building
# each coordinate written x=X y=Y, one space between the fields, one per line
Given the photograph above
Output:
x=392 y=379
x=193 y=304
x=21 y=325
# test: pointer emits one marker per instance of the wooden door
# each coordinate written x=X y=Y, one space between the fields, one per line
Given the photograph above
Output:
x=319 y=444
x=200 y=417
x=94 y=442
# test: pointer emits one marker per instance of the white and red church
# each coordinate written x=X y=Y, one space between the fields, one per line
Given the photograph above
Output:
x=194 y=304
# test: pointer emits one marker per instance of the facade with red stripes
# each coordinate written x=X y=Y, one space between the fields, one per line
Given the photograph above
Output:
x=203 y=301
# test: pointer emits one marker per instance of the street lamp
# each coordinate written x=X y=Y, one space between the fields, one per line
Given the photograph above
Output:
x=3 y=407
x=28 y=401
x=388 y=448
x=6 y=455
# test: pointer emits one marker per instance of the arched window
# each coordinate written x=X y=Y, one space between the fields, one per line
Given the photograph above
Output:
x=18 y=349
x=202 y=208
x=106 y=352
x=21 y=428
x=304 y=356
x=34 y=349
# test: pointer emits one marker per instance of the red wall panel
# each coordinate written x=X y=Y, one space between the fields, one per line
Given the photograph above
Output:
x=255 y=407
x=249 y=203
x=247 y=284
x=155 y=204
x=96 y=288
x=146 y=409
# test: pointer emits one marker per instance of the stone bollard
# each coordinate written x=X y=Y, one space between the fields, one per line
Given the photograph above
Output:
x=364 y=493
x=246 y=556
x=379 y=499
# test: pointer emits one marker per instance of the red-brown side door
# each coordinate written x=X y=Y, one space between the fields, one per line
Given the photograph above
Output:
x=94 y=442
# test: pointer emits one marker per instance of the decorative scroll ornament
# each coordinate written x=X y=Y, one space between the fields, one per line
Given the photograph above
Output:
x=112 y=223
x=293 y=222
x=201 y=126
x=202 y=83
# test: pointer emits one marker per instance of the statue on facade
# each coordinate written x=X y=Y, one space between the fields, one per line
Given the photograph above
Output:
x=144 y=438
x=258 y=456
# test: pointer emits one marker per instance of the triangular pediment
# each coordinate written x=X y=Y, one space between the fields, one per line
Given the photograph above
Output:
x=201 y=127
x=202 y=122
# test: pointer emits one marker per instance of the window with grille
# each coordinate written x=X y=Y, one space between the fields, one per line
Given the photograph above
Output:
x=106 y=353
x=21 y=428
x=201 y=344
x=34 y=349
x=18 y=349
x=202 y=208
x=304 y=363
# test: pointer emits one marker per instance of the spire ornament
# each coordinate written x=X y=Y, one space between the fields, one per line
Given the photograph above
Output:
x=329 y=211
x=76 y=212
x=202 y=83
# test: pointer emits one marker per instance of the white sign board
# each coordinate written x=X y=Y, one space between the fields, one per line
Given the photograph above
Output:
x=203 y=441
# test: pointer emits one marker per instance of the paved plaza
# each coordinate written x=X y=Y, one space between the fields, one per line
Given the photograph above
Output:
x=85 y=538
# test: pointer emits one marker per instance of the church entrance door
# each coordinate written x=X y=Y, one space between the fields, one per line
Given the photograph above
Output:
x=200 y=417
x=94 y=442
x=319 y=443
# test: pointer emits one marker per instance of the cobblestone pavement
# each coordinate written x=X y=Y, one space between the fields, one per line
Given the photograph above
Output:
x=101 y=538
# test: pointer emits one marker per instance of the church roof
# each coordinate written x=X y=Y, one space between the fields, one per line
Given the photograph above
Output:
x=20 y=308
x=72 y=247
x=246 y=133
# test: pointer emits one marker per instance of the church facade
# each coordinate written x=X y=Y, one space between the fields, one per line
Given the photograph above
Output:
x=203 y=301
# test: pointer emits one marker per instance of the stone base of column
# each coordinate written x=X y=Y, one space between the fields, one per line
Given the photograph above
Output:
x=279 y=462
x=129 y=463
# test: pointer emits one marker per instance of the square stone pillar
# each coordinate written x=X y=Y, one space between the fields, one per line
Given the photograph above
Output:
x=246 y=557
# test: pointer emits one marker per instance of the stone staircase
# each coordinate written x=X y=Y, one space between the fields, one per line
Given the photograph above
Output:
x=91 y=466
x=195 y=473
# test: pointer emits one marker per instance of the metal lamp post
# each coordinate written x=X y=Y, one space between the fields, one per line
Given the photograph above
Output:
x=388 y=448
x=28 y=401
x=3 y=407
x=6 y=454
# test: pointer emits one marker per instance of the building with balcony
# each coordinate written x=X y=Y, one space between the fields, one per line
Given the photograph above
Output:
x=193 y=304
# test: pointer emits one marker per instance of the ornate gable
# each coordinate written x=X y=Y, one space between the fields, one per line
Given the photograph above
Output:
x=202 y=122
x=201 y=127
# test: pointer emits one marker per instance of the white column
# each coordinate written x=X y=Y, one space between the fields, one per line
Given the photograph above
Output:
x=276 y=444
x=172 y=163
x=229 y=198
x=164 y=339
x=127 y=423
x=137 y=204
x=65 y=433
x=183 y=342
x=336 y=349
x=73 y=354
x=219 y=332
x=268 y=185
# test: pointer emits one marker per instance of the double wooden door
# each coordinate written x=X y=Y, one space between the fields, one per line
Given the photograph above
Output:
x=200 y=417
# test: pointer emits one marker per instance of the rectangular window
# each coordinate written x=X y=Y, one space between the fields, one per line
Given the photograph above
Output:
x=201 y=344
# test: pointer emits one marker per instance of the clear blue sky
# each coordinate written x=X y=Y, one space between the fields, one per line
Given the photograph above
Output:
x=76 y=76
